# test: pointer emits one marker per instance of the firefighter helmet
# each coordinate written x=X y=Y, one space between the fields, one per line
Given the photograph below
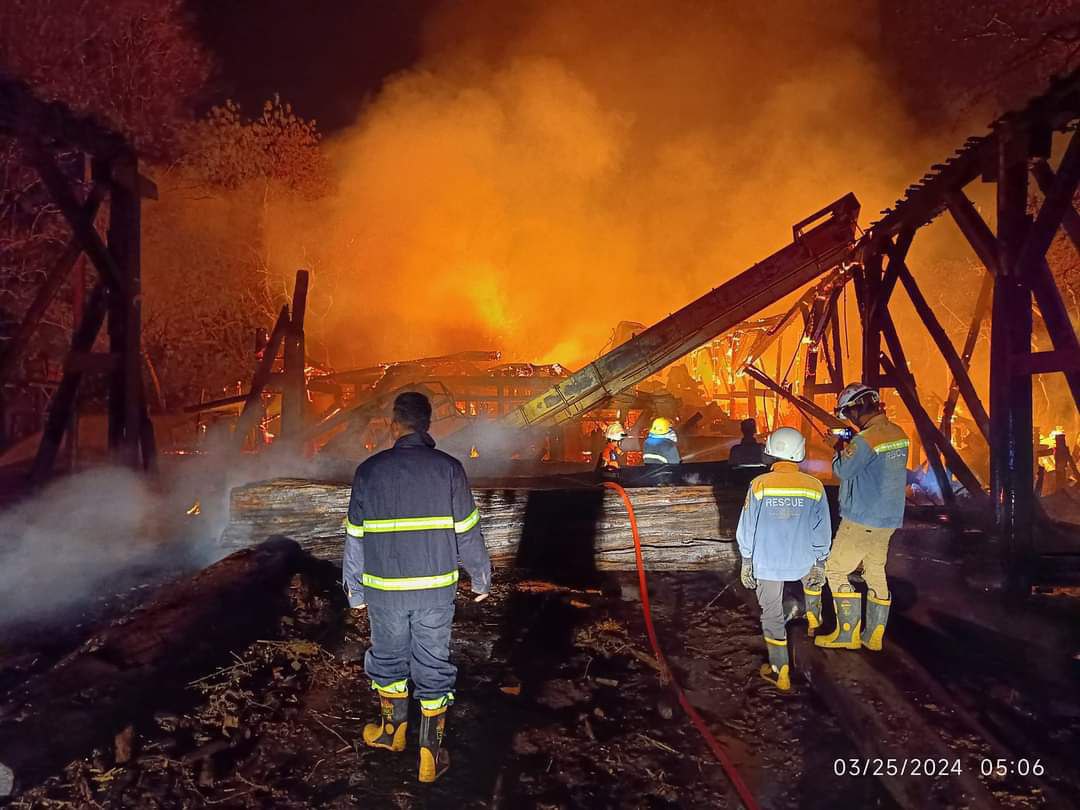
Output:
x=661 y=426
x=615 y=432
x=786 y=443
x=852 y=394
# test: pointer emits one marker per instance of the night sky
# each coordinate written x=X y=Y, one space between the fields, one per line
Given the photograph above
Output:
x=324 y=56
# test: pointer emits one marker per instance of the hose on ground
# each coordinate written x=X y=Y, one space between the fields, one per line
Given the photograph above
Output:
x=718 y=751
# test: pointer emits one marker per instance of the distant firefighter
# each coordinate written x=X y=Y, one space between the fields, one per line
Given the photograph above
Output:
x=411 y=520
x=872 y=468
x=661 y=447
x=611 y=455
x=748 y=452
x=783 y=534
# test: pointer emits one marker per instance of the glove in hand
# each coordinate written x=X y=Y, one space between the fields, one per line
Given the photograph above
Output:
x=747 y=576
x=816 y=578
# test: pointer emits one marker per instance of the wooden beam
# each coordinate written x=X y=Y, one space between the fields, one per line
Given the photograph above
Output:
x=59 y=188
x=294 y=391
x=250 y=411
x=63 y=401
x=1045 y=362
x=1011 y=453
x=867 y=291
x=930 y=435
x=1070 y=220
x=1058 y=200
x=54 y=280
x=125 y=316
x=975 y=230
x=948 y=351
x=1056 y=318
x=982 y=306
x=804 y=405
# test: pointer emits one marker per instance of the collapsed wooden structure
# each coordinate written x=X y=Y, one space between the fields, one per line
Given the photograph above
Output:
x=42 y=131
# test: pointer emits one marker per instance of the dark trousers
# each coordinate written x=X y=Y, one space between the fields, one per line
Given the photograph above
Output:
x=412 y=644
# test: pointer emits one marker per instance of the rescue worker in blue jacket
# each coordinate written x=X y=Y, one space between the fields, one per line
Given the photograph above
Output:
x=661 y=446
x=872 y=469
x=783 y=534
x=411 y=520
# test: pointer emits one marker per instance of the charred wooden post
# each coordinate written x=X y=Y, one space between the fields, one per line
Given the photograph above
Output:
x=251 y=410
x=294 y=390
x=1011 y=453
x=982 y=306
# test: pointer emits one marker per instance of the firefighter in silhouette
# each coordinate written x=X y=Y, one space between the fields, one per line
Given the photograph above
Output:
x=783 y=534
x=411 y=520
x=872 y=468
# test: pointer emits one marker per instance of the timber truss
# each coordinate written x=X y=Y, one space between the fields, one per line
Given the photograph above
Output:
x=44 y=130
x=1018 y=148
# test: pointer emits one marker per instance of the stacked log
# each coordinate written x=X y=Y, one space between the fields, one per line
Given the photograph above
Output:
x=682 y=528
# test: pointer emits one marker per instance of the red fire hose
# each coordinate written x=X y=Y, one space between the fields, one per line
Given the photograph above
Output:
x=695 y=718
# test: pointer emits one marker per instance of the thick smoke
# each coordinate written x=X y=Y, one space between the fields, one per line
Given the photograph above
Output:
x=551 y=168
x=96 y=533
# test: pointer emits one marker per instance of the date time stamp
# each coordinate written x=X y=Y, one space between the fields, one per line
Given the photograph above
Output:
x=935 y=767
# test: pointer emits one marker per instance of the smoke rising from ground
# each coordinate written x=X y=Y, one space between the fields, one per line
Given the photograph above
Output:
x=99 y=532
x=551 y=168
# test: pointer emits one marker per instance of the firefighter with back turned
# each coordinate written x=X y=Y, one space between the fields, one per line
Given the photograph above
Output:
x=872 y=468
x=783 y=535
x=411 y=520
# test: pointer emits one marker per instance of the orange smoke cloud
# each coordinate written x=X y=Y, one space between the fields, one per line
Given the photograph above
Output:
x=555 y=167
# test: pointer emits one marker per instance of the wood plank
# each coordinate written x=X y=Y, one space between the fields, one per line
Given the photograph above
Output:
x=54 y=280
x=682 y=528
x=982 y=306
x=1058 y=201
x=61 y=407
x=250 y=411
x=975 y=230
x=1045 y=362
x=1070 y=220
x=948 y=351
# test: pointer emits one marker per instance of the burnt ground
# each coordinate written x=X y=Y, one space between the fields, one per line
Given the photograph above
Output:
x=560 y=704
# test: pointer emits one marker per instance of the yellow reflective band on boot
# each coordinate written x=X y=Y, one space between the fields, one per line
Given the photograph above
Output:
x=462 y=526
x=394 y=688
x=352 y=529
x=435 y=706
x=846 y=635
x=779 y=642
x=414 y=524
x=409 y=583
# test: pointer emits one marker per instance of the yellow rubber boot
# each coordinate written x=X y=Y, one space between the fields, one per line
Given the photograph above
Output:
x=813 y=610
x=846 y=636
x=390 y=732
x=778 y=670
x=434 y=761
x=877 y=616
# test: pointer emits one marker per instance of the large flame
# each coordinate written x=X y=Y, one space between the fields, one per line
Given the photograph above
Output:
x=552 y=168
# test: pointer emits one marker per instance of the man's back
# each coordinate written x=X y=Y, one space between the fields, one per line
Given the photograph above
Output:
x=873 y=474
x=413 y=508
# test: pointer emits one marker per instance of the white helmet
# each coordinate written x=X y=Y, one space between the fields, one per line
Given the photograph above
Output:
x=615 y=432
x=786 y=443
x=853 y=393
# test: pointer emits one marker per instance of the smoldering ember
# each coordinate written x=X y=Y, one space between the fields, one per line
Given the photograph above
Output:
x=486 y=404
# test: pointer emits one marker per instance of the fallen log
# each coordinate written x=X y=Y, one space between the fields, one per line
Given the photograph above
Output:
x=142 y=661
x=682 y=528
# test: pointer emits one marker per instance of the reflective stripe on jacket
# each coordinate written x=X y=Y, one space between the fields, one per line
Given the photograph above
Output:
x=784 y=526
x=873 y=473
x=660 y=450
x=411 y=520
